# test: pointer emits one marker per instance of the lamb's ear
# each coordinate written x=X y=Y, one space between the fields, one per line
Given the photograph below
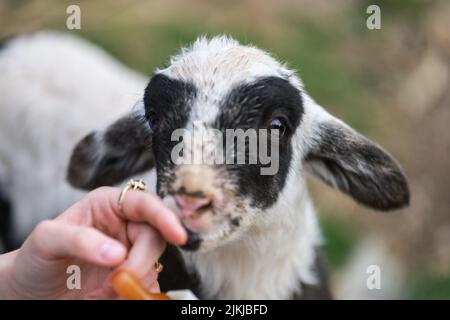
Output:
x=108 y=156
x=358 y=167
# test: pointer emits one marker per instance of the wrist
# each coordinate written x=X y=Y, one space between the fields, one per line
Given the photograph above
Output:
x=6 y=268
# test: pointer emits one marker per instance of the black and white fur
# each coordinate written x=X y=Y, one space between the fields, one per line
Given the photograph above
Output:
x=266 y=240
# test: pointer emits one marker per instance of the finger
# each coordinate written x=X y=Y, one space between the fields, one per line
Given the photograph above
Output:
x=102 y=294
x=137 y=206
x=147 y=207
x=154 y=287
x=147 y=247
x=150 y=282
x=53 y=240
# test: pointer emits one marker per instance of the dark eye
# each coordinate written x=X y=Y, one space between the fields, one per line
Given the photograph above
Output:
x=152 y=120
x=279 y=124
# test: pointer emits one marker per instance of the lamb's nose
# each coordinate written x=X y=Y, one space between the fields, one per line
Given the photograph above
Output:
x=191 y=203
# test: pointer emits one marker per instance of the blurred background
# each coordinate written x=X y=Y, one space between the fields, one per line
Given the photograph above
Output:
x=392 y=84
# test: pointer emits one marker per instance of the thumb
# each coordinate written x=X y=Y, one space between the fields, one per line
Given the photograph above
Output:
x=54 y=240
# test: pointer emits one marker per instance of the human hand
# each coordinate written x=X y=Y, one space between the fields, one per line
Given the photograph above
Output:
x=95 y=236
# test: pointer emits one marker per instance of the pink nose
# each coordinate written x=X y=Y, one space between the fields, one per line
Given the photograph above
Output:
x=189 y=205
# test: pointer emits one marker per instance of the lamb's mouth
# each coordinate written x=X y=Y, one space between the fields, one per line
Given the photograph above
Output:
x=201 y=234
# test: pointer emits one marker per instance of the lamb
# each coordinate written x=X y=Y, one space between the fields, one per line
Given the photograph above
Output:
x=251 y=236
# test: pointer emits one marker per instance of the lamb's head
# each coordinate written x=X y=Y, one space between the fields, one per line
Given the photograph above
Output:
x=219 y=179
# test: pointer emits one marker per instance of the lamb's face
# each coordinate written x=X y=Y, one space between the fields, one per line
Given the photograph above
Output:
x=203 y=97
x=191 y=113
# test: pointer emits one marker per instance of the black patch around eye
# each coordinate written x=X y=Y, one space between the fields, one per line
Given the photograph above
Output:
x=253 y=106
x=250 y=105
x=168 y=99
x=168 y=103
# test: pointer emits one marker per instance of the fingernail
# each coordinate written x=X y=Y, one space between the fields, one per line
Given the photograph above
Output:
x=111 y=251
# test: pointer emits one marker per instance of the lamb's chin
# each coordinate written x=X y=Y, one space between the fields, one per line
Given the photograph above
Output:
x=206 y=241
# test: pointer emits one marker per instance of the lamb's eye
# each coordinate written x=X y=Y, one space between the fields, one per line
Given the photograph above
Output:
x=152 y=120
x=279 y=124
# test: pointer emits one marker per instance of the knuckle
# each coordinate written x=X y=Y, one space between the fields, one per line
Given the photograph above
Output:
x=43 y=228
x=99 y=194
x=39 y=235
x=99 y=202
x=101 y=190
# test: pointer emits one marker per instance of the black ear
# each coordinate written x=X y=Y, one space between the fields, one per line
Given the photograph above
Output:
x=106 y=157
x=358 y=167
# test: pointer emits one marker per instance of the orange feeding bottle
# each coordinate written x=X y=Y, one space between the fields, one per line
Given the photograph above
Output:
x=128 y=287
